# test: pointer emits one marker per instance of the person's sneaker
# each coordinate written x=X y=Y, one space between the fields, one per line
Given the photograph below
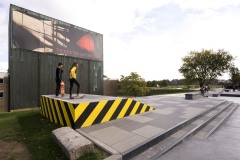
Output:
x=57 y=96
x=71 y=97
x=77 y=96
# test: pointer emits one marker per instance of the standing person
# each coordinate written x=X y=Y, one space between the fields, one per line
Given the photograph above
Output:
x=202 y=91
x=206 y=88
x=72 y=79
x=234 y=88
x=59 y=71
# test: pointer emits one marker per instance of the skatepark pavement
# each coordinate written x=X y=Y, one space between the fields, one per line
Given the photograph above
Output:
x=131 y=135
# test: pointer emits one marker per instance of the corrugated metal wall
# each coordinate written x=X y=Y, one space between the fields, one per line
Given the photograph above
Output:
x=32 y=74
x=23 y=79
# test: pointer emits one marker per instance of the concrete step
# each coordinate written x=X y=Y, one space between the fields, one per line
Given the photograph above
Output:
x=206 y=131
x=182 y=132
x=163 y=136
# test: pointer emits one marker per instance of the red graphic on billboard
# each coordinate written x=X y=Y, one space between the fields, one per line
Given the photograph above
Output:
x=86 y=42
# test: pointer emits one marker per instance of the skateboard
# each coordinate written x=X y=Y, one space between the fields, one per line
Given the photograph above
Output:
x=80 y=97
x=62 y=89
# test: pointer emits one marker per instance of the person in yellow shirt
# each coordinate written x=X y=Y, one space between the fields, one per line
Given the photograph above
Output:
x=73 y=79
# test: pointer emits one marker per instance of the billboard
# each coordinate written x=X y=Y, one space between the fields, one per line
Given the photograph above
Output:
x=36 y=32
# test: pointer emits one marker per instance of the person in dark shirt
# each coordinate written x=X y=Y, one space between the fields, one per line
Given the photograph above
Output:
x=59 y=71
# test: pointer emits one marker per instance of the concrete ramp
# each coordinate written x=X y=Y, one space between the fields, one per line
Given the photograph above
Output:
x=89 y=110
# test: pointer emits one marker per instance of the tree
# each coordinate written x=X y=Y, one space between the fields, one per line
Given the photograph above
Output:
x=149 y=83
x=235 y=75
x=189 y=82
x=174 y=82
x=106 y=77
x=154 y=83
x=164 y=83
x=134 y=85
x=205 y=65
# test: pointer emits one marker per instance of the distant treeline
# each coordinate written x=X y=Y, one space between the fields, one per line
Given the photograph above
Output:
x=174 y=82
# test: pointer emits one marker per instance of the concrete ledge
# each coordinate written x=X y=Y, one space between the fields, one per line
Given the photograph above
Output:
x=192 y=96
x=217 y=93
x=231 y=94
x=72 y=143
x=114 y=157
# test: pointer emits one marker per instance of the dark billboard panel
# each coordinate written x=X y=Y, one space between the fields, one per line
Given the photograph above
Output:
x=36 y=32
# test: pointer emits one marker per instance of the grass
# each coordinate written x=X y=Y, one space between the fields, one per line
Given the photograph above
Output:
x=34 y=130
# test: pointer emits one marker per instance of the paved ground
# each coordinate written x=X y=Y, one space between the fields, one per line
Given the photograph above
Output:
x=122 y=135
x=77 y=100
x=224 y=144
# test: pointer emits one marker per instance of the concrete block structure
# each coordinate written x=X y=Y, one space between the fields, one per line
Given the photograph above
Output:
x=72 y=143
x=90 y=110
x=110 y=87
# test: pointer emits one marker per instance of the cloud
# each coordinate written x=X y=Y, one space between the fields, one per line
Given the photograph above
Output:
x=3 y=66
x=3 y=29
x=205 y=4
x=145 y=36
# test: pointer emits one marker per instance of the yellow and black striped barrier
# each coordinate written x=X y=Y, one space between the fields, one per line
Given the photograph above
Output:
x=89 y=113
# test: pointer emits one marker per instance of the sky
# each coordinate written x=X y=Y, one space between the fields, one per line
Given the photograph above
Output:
x=149 y=37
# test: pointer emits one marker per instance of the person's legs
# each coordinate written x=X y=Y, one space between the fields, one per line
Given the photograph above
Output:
x=71 y=86
x=202 y=91
x=78 y=85
x=57 y=87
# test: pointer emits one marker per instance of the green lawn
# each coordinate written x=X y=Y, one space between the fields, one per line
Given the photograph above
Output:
x=34 y=130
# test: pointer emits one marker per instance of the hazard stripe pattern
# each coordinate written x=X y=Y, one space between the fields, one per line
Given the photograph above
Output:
x=57 y=111
x=89 y=113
